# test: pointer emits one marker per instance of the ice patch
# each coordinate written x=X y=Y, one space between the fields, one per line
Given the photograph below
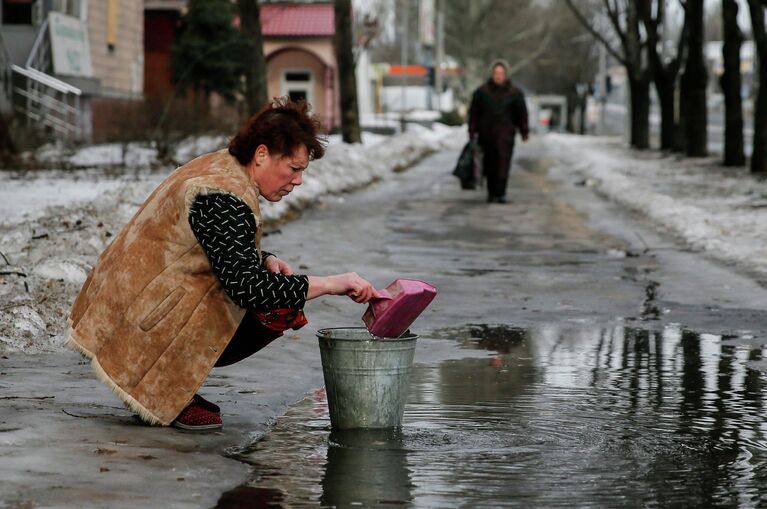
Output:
x=68 y=271
x=28 y=321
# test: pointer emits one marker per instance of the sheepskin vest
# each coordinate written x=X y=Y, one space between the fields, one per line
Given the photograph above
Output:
x=152 y=316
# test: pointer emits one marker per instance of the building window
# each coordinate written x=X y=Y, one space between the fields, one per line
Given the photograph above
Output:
x=17 y=12
x=297 y=84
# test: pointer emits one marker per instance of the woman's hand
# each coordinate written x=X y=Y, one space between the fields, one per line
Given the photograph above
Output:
x=274 y=264
x=350 y=284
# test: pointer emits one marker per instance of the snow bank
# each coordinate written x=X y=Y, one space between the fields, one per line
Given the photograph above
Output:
x=722 y=211
x=142 y=156
x=46 y=251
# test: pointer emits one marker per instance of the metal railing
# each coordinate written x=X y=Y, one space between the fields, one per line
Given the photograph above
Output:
x=40 y=55
x=42 y=100
x=47 y=102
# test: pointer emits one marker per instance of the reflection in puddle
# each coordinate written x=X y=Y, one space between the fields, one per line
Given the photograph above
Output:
x=554 y=416
x=244 y=497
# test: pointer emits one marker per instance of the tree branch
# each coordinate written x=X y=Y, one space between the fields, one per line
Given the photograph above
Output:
x=534 y=30
x=680 y=45
x=596 y=35
x=479 y=21
x=533 y=55
x=614 y=16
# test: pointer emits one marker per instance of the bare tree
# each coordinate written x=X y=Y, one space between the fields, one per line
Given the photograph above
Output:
x=343 y=42
x=255 y=71
x=759 y=154
x=567 y=66
x=624 y=16
x=693 y=82
x=479 y=31
x=730 y=83
x=664 y=73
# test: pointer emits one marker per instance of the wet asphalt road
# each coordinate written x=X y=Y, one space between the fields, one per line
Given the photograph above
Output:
x=557 y=255
x=611 y=314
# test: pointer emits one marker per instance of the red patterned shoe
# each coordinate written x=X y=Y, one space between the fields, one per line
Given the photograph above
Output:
x=196 y=418
x=207 y=405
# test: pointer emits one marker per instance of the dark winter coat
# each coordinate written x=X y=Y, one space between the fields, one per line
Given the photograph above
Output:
x=496 y=112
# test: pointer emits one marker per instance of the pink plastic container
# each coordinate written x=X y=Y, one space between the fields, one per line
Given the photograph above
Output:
x=397 y=306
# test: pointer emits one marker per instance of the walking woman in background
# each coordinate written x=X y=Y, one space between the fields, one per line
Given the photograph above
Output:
x=497 y=111
x=185 y=287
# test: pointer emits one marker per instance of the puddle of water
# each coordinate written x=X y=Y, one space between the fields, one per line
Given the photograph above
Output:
x=553 y=417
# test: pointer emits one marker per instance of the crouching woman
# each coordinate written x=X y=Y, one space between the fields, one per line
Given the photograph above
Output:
x=185 y=287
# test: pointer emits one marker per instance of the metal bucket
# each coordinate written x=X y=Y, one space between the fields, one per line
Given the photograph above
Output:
x=366 y=379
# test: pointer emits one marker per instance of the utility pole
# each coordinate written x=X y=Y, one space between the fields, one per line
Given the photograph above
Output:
x=427 y=38
x=440 y=53
x=347 y=81
x=602 y=89
x=255 y=72
x=403 y=59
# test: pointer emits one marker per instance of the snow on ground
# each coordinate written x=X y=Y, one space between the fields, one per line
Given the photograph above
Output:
x=55 y=223
x=23 y=198
x=721 y=211
x=26 y=195
x=142 y=156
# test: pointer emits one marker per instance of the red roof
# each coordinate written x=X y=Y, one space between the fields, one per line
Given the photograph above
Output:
x=297 y=20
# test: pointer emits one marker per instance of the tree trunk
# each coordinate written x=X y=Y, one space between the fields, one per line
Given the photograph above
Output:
x=680 y=118
x=350 y=121
x=639 y=88
x=759 y=143
x=639 y=78
x=665 y=87
x=572 y=105
x=569 y=124
x=694 y=83
x=730 y=83
x=8 y=148
x=256 y=94
x=664 y=74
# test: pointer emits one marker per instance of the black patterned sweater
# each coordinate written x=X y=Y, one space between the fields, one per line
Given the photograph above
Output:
x=226 y=229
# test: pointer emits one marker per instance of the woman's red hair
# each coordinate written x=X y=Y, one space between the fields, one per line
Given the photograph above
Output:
x=282 y=125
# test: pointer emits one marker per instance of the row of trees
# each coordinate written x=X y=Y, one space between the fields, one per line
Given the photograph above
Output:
x=551 y=51
x=632 y=32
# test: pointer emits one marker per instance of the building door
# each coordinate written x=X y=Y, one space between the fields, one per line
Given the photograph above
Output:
x=298 y=84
